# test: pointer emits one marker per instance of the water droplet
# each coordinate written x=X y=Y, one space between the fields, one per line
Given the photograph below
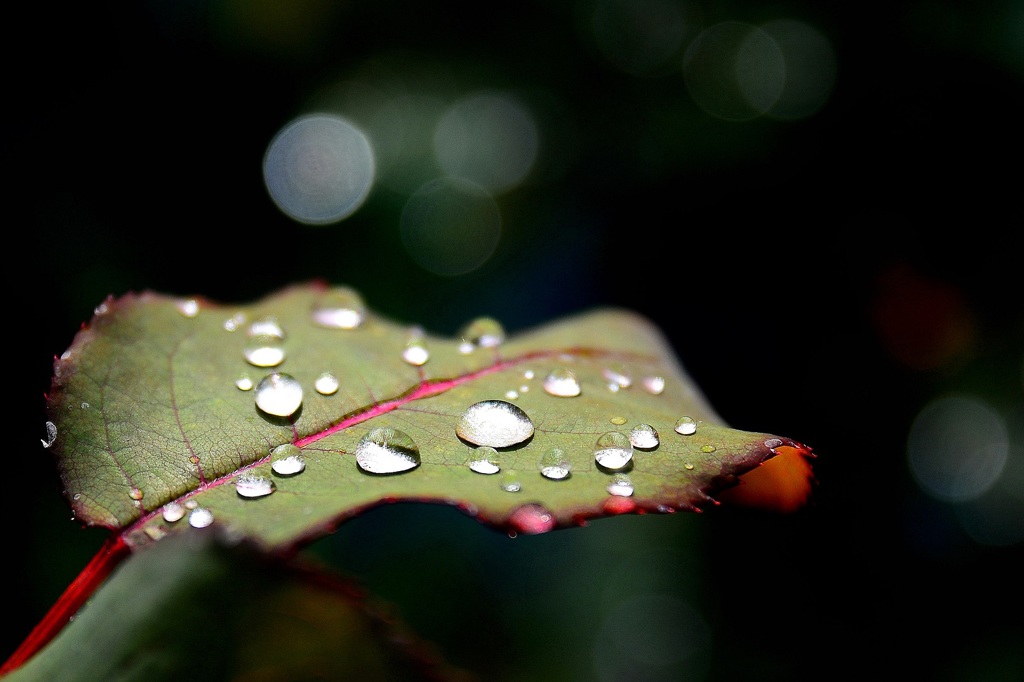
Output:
x=485 y=460
x=189 y=308
x=244 y=383
x=562 y=383
x=416 y=352
x=191 y=504
x=279 y=394
x=653 y=385
x=264 y=350
x=326 y=384
x=616 y=377
x=173 y=511
x=339 y=308
x=266 y=326
x=135 y=493
x=200 y=517
x=528 y=374
x=554 y=464
x=496 y=423
x=287 y=460
x=531 y=519
x=773 y=443
x=387 y=451
x=484 y=332
x=101 y=309
x=618 y=421
x=621 y=485
x=465 y=347
x=613 y=387
x=51 y=434
x=510 y=482
x=686 y=426
x=155 y=532
x=511 y=394
x=644 y=436
x=234 y=322
x=688 y=466
x=614 y=451
x=85 y=406
x=707 y=448
x=251 y=485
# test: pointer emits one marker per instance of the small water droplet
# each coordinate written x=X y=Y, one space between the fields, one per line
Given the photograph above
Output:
x=653 y=385
x=326 y=384
x=613 y=387
x=465 y=347
x=279 y=394
x=511 y=395
x=688 y=466
x=51 y=434
x=485 y=460
x=234 y=322
x=339 y=308
x=531 y=519
x=496 y=423
x=101 y=309
x=554 y=464
x=562 y=383
x=200 y=517
x=251 y=485
x=78 y=496
x=85 y=406
x=172 y=511
x=264 y=350
x=416 y=352
x=244 y=383
x=191 y=504
x=287 y=460
x=524 y=389
x=644 y=436
x=773 y=443
x=510 y=483
x=618 y=421
x=528 y=374
x=266 y=326
x=155 y=532
x=387 y=451
x=687 y=426
x=614 y=451
x=621 y=485
x=616 y=377
x=188 y=308
x=135 y=493
x=484 y=332
x=707 y=448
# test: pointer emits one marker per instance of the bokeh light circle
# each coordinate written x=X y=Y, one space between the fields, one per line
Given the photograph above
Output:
x=319 y=169
x=450 y=226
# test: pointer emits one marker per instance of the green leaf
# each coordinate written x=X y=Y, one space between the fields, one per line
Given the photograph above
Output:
x=181 y=610
x=148 y=416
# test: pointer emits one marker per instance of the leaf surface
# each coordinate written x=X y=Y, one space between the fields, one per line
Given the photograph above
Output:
x=149 y=416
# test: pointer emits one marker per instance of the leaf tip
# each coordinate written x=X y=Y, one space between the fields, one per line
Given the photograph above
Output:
x=781 y=484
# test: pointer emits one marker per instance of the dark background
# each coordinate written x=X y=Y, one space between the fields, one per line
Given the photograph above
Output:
x=822 y=278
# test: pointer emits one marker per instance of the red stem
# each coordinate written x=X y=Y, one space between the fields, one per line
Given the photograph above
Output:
x=77 y=593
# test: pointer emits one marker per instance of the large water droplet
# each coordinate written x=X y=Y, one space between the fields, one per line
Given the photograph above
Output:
x=484 y=332
x=531 y=519
x=200 y=517
x=279 y=394
x=339 y=308
x=554 y=464
x=614 y=451
x=621 y=485
x=252 y=485
x=562 y=383
x=264 y=350
x=485 y=460
x=387 y=451
x=287 y=460
x=496 y=423
x=644 y=436
x=51 y=434
x=326 y=384
x=686 y=426
x=172 y=511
